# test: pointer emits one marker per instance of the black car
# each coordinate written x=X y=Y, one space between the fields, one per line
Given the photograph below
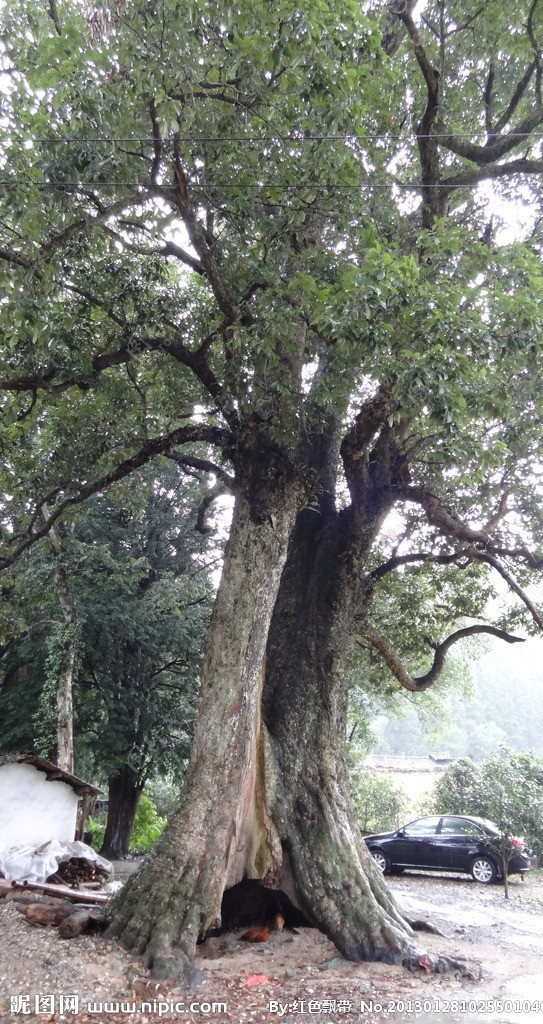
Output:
x=449 y=843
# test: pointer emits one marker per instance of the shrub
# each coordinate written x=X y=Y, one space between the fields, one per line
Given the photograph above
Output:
x=506 y=788
x=148 y=826
x=95 y=831
x=378 y=802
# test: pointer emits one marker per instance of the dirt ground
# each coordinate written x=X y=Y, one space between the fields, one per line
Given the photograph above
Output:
x=296 y=977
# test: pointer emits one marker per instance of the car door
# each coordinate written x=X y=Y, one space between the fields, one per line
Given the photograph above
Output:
x=414 y=845
x=461 y=841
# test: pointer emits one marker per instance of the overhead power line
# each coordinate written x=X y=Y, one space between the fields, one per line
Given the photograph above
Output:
x=286 y=186
x=353 y=136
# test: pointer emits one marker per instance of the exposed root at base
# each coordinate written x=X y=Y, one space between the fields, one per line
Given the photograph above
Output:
x=175 y=967
x=425 y=964
x=425 y=926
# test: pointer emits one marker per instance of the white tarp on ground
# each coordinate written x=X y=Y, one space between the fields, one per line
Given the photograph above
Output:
x=36 y=864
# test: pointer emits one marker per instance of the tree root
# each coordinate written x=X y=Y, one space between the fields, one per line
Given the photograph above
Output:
x=425 y=926
x=472 y=971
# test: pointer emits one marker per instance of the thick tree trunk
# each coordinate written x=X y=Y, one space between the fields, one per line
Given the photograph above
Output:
x=266 y=792
x=333 y=879
x=221 y=832
x=124 y=792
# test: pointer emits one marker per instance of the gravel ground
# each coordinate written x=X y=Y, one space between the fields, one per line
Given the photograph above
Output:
x=298 y=978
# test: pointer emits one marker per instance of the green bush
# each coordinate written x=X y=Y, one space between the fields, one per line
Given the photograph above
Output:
x=164 y=792
x=380 y=805
x=506 y=788
x=96 y=828
x=148 y=826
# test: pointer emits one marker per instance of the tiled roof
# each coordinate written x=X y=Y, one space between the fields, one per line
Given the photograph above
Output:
x=407 y=763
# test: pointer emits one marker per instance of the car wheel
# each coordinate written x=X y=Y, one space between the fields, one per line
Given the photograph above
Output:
x=381 y=861
x=483 y=870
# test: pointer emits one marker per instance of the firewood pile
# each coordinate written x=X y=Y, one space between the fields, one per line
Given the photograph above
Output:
x=78 y=870
x=50 y=905
x=69 y=920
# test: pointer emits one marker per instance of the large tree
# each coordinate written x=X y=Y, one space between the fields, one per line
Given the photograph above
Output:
x=264 y=232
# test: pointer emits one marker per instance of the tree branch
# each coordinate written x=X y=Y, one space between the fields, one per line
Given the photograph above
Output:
x=501 y=512
x=433 y=198
x=488 y=100
x=15 y=257
x=200 y=246
x=198 y=363
x=53 y=14
x=171 y=249
x=394 y=563
x=103 y=361
x=534 y=561
x=467 y=178
x=442 y=517
x=155 y=446
x=371 y=417
x=205 y=465
x=225 y=485
x=418 y=684
x=483 y=155
x=205 y=505
x=354 y=446
x=537 y=51
x=93 y=300
x=516 y=98
x=85 y=224
x=157 y=144
x=490 y=559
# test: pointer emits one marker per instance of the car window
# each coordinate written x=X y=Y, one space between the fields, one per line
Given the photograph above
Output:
x=451 y=826
x=423 y=827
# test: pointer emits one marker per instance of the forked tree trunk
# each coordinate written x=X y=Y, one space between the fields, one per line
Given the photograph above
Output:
x=221 y=832
x=124 y=791
x=266 y=792
x=334 y=881
x=268 y=803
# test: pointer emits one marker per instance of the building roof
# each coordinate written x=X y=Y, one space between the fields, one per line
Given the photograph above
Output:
x=407 y=763
x=51 y=771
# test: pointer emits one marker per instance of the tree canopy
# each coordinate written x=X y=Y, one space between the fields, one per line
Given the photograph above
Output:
x=172 y=224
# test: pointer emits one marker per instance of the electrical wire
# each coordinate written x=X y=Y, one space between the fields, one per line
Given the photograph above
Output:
x=248 y=187
x=79 y=140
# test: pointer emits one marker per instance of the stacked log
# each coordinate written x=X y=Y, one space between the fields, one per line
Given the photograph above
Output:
x=69 y=920
x=63 y=891
x=78 y=870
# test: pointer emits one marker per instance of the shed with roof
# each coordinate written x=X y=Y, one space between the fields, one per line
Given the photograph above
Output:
x=40 y=802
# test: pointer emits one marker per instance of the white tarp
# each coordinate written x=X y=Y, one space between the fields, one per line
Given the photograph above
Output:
x=36 y=864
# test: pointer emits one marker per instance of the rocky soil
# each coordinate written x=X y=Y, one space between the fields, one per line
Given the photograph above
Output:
x=296 y=977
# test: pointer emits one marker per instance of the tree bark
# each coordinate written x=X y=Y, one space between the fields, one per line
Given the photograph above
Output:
x=65 y=713
x=65 y=735
x=124 y=791
x=333 y=879
x=221 y=831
